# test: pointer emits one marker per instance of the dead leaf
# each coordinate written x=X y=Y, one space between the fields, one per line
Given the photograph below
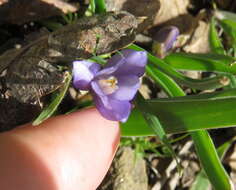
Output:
x=144 y=9
x=171 y=9
x=19 y=12
x=199 y=40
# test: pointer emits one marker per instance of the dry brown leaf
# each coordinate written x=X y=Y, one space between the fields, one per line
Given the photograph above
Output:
x=145 y=9
x=19 y=12
x=171 y=9
x=199 y=41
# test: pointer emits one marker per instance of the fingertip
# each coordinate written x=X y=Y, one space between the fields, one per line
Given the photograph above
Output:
x=76 y=149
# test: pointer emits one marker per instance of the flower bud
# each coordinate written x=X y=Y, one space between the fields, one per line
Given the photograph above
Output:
x=164 y=40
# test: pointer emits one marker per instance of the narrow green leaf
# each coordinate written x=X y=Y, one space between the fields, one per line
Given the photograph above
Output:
x=91 y=8
x=200 y=62
x=98 y=59
x=215 y=172
x=224 y=148
x=214 y=40
x=51 y=25
x=66 y=18
x=70 y=17
x=229 y=93
x=221 y=15
x=136 y=125
x=48 y=111
x=217 y=47
x=229 y=27
x=203 y=84
x=207 y=113
x=211 y=57
x=156 y=126
x=201 y=181
x=163 y=80
x=100 y=6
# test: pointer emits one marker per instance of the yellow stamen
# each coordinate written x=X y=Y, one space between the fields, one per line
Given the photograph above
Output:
x=108 y=85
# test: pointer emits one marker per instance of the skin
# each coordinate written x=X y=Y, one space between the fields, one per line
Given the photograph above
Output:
x=69 y=152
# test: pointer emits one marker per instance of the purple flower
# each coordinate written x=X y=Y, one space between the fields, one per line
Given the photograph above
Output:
x=114 y=86
x=164 y=40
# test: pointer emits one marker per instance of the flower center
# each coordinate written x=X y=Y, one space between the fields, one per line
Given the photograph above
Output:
x=108 y=85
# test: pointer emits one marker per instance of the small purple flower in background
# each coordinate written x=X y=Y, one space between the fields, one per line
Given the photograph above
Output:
x=164 y=40
x=114 y=86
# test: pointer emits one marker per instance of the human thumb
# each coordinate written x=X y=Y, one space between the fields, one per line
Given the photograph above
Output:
x=69 y=152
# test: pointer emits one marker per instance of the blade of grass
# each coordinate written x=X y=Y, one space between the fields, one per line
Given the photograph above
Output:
x=217 y=47
x=211 y=62
x=158 y=129
x=91 y=8
x=214 y=40
x=162 y=79
x=48 y=111
x=51 y=25
x=191 y=115
x=229 y=27
x=100 y=6
x=137 y=126
x=225 y=15
x=215 y=172
x=201 y=181
x=209 y=83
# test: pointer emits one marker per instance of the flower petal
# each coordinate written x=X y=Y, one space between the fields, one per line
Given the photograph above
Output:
x=135 y=62
x=96 y=88
x=167 y=36
x=111 y=69
x=127 y=88
x=115 y=110
x=83 y=73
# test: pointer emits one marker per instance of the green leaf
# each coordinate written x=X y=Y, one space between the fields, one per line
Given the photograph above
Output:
x=70 y=17
x=221 y=15
x=136 y=125
x=203 y=84
x=207 y=113
x=98 y=59
x=217 y=47
x=201 y=140
x=210 y=161
x=48 y=111
x=96 y=7
x=91 y=8
x=202 y=62
x=201 y=181
x=100 y=6
x=51 y=25
x=158 y=129
x=229 y=27
x=228 y=93
x=210 y=109
x=163 y=80
x=214 y=40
